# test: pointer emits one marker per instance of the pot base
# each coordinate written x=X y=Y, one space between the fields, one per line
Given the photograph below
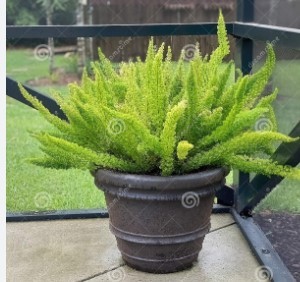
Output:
x=159 y=258
x=160 y=267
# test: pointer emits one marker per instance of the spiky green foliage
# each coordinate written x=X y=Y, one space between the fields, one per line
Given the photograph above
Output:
x=151 y=117
x=183 y=149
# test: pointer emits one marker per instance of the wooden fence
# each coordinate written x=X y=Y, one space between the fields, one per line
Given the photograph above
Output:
x=157 y=11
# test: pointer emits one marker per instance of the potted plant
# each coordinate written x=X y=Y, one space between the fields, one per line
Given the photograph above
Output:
x=159 y=139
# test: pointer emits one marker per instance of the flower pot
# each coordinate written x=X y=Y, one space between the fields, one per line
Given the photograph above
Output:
x=160 y=222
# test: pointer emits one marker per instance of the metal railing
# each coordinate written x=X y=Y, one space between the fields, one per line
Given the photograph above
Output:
x=247 y=194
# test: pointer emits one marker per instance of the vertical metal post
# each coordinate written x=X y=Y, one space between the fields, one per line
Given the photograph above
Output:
x=90 y=22
x=81 y=41
x=245 y=13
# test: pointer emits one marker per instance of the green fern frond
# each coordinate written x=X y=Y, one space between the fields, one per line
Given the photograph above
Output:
x=183 y=149
x=154 y=116
x=263 y=166
x=222 y=50
x=168 y=138
x=257 y=82
x=72 y=155
x=247 y=143
x=54 y=120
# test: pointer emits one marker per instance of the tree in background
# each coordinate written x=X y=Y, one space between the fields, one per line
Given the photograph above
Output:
x=81 y=42
x=20 y=12
x=49 y=7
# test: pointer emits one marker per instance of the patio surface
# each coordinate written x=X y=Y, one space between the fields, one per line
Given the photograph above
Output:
x=85 y=250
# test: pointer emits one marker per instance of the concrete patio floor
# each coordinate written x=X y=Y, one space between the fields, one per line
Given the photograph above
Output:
x=85 y=250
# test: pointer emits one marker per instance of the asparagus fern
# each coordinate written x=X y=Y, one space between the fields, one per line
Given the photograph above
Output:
x=149 y=117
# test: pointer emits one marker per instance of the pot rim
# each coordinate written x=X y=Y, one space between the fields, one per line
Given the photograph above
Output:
x=210 y=176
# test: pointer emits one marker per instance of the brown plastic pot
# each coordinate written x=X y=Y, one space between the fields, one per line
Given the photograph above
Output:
x=160 y=222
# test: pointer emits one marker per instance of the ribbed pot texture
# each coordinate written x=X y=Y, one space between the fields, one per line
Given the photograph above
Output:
x=160 y=222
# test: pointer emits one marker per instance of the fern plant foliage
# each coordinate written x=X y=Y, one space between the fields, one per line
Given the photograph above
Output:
x=158 y=117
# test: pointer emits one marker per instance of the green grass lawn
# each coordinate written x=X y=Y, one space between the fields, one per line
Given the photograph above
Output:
x=33 y=188
x=22 y=65
x=286 y=196
x=30 y=187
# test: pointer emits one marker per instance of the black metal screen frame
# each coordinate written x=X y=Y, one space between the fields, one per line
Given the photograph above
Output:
x=241 y=201
x=245 y=34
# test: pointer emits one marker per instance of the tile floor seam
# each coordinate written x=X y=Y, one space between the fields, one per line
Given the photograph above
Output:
x=101 y=273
